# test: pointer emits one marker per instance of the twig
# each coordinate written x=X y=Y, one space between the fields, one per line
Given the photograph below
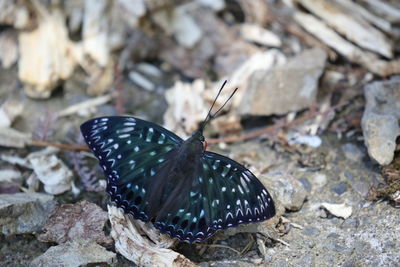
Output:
x=58 y=145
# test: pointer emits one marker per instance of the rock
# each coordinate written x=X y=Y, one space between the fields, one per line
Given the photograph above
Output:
x=311 y=231
x=83 y=220
x=75 y=253
x=286 y=188
x=306 y=184
x=23 y=213
x=339 y=188
x=285 y=88
x=380 y=119
x=319 y=179
x=338 y=210
x=352 y=152
x=306 y=260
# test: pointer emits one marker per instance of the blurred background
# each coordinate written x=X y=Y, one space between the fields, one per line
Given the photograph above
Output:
x=316 y=116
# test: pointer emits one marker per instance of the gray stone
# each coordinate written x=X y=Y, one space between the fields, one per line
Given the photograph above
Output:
x=75 y=253
x=311 y=231
x=280 y=263
x=306 y=260
x=288 y=87
x=350 y=223
x=23 y=213
x=352 y=152
x=306 y=184
x=337 y=248
x=339 y=188
x=286 y=188
x=380 y=119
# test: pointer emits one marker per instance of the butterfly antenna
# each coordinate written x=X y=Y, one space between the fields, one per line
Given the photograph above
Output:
x=210 y=116
x=229 y=98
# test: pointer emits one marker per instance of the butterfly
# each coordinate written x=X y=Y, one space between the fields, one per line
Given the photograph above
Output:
x=185 y=191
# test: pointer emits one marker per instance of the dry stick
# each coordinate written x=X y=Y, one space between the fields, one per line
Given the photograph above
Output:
x=58 y=145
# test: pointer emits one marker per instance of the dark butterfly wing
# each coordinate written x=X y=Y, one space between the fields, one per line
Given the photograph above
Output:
x=129 y=151
x=223 y=194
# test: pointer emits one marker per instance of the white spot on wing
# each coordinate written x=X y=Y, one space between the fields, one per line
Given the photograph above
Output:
x=201 y=213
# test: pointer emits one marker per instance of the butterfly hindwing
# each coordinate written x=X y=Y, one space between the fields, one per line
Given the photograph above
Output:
x=223 y=194
x=129 y=150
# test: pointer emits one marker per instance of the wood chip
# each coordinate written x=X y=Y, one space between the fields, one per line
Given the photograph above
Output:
x=12 y=138
x=354 y=28
x=9 y=111
x=345 y=48
x=51 y=171
x=8 y=48
x=88 y=104
x=384 y=9
x=139 y=249
x=51 y=39
x=255 y=33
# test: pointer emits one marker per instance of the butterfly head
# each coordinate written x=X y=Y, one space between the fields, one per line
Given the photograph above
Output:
x=197 y=141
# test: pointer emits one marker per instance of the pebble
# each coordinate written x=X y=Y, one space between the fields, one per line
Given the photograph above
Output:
x=76 y=253
x=353 y=152
x=24 y=213
x=311 y=231
x=286 y=188
x=319 y=179
x=339 y=188
x=306 y=184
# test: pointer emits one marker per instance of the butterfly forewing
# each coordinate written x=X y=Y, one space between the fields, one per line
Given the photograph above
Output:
x=223 y=194
x=130 y=151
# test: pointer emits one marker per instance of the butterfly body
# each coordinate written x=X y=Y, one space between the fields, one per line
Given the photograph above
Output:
x=187 y=192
